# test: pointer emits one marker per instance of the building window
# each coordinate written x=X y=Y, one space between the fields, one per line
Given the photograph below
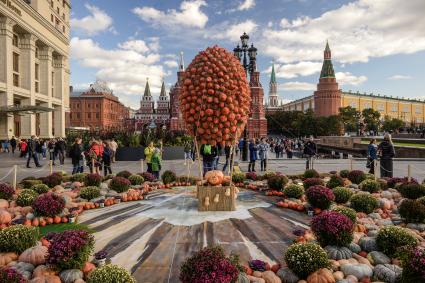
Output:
x=89 y=115
x=51 y=3
x=380 y=107
x=418 y=110
x=63 y=3
x=36 y=52
x=78 y=115
x=97 y=105
x=16 y=69
x=88 y=105
x=78 y=105
x=353 y=104
x=70 y=115
x=97 y=115
x=57 y=10
x=51 y=18
x=406 y=108
x=63 y=16
x=63 y=29
x=15 y=40
x=367 y=105
x=37 y=75
x=53 y=84
x=394 y=108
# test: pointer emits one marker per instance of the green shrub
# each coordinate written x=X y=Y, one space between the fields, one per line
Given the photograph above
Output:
x=421 y=200
x=413 y=211
x=110 y=274
x=342 y=194
x=136 y=179
x=79 y=177
x=364 y=202
x=93 y=180
x=293 y=191
x=370 y=186
x=27 y=184
x=40 y=188
x=89 y=193
x=311 y=173
x=238 y=177
x=310 y=182
x=383 y=184
x=277 y=182
x=26 y=198
x=335 y=181
x=391 y=238
x=6 y=191
x=124 y=174
x=119 y=184
x=344 y=173
x=168 y=177
x=268 y=174
x=411 y=190
x=306 y=258
x=18 y=238
x=349 y=212
x=356 y=176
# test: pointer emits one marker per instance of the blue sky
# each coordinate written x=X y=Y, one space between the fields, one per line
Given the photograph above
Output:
x=377 y=45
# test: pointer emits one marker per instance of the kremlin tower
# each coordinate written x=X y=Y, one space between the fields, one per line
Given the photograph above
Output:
x=273 y=102
x=177 y=122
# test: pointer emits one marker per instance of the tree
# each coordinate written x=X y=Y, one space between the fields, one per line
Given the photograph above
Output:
x=371 y=118
x=350 y=118
x=391 y=124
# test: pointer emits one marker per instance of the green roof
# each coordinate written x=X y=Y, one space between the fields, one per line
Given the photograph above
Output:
x=147 y=89
x=163 y=90
x=327 y=49
x=273 y=76
x=327 y=69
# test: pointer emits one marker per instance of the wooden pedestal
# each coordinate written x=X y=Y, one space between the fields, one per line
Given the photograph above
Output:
x=217 y=198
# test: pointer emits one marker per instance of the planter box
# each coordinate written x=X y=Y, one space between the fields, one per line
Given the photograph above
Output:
x=223 y=203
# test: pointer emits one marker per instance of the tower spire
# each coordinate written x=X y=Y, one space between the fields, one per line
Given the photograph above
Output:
x=147 y=89
x=327 y=67
x=163 y=93
x=273 y=75
x=181 y=62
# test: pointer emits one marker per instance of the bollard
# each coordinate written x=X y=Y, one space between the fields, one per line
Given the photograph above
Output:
x=141 y=165
x=351 y=164
x=51 y=167
x=375 y=169
x=409 y=172
x=15 y=174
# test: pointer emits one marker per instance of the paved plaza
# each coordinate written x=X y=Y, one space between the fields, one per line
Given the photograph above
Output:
x=287 y=166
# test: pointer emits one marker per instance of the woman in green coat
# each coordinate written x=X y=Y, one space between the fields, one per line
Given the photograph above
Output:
x=156 y=162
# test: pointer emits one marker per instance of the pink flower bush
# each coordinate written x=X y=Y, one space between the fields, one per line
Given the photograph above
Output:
x=251 y=176
x=49 y=204
x=149 y=177
x=93 y=180
x=320 y=196
x=309 y=182
x=6 y=191
x=53 y=179
x=11 y=275
x=332 y=228
x=119 y=184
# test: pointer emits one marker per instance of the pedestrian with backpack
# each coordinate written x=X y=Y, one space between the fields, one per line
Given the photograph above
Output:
x=107 y=157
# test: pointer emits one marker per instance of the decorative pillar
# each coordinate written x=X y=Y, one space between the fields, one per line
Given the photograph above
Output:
x=59 y=121
x=7 y=128
x=45 y=79
x=61 y=90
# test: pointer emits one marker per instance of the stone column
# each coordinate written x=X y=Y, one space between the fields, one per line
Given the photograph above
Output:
x=27 y=73
x=61 y=92
x=46 y=121
x=7 y=128
x=59 y=121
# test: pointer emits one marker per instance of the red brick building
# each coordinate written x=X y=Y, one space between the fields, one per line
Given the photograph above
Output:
x=97 y=109
x=176 y=119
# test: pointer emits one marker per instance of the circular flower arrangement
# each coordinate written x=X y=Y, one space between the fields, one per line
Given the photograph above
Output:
x=320 y=196
x=332 y=228
x=119 y=184
x=110 y=274
x=6 y=191
x=93 y=180
x=26 y=198
x=11 y=275
x=391 y=238
x=49 y=204
x=215 y=97
x=309 y=182
x=306 y=258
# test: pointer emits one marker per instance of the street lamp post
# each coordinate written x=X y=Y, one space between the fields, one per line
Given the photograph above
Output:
x=245 y=53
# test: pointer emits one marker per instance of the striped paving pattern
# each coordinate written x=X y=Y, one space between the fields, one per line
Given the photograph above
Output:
x=153 y=237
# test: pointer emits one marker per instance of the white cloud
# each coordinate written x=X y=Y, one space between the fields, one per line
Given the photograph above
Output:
x=189 y=15
x=98 y=21
x=125 y=68
x=297 y=86
x=290 y=71
x=246 y=5
x=230 y=31
x=357 y=31
x=399 y=77
x=346 y=78
x=171 y=64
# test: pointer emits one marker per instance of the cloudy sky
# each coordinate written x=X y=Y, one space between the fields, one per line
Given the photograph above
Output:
x=377 y=45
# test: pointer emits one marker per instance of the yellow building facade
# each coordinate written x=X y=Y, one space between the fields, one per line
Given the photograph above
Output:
x=34 y=67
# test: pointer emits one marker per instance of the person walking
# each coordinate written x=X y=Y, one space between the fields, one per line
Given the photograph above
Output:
x=156 y=162
x=187 y=152
x=253 y=149
x=263 y=151
x=229 y=158
x=148 y=155
x=32 y=146
x=39 y=145
x=372 y=151
x=51 y=147
x=114 y=146
x=208 y=153
x=6 y=145
x=310 y=150
x=95 y=156
x=107 y=158
x=44 y=149
x=276 y=150
x=240 y=147
x=386 y=152
x=77 y=157
x=23 y=147
x=13 y=144
x=60 y=150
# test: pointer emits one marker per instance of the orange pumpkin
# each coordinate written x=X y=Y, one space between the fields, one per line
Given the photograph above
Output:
x=35 y=222
x=6 y=258
x=214 y=177
x=5 y=217
x=42 y=270
x=4 y=203
x=88 y=267
x=323 y=275
x=49 y=220
x=35 y=255
x=45 y=242
x=57 y=219
x=64 y=219
x=27 y=222
x=46 y=279
x=43 y=223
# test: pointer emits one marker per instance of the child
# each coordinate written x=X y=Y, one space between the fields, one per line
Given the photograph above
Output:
x=107 y=159
x=156 y=163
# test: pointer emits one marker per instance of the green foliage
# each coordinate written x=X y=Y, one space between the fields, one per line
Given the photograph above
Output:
x=349 y=212
x=371 y=119
x=110 y=274
x=306 y=258
x=27 y=184
x=277 y=182
x=119 y=184
x=335 y=181
x=79 y=177
x=350 y=117
x=40 y=188
x=238 y=177
x=26 y=198
x=391 y=238
x=124 y=174
x=356 y=176
x=168 y=177
x=370 y=186
x=136 y=179
x=344 y=173
x=413 y=211
x=89 y=193
x=311 y=173
x=391 y=124
x=293 y=191
x=411 y=190
x=421 y=200
x=17 y=238
x=93 y=180
x=342 y=194
x=364 y=202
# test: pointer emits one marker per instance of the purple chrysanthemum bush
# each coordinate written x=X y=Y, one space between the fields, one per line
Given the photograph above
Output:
x=208 y=265
x=6 y=191
x=93 y=180
x=413 y=262
x=49 y=204
x=320 y=196
x=310 y=182
x=119 y=184
x=332 y=228
x=69 y=249
x=11 y=275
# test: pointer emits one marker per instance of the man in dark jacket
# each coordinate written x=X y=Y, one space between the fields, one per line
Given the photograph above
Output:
x=310 y=151
x=13 y=144
x=208 y=153
x=60 y=150
x=76 y=154
x=386 y=152
x=31 y=149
